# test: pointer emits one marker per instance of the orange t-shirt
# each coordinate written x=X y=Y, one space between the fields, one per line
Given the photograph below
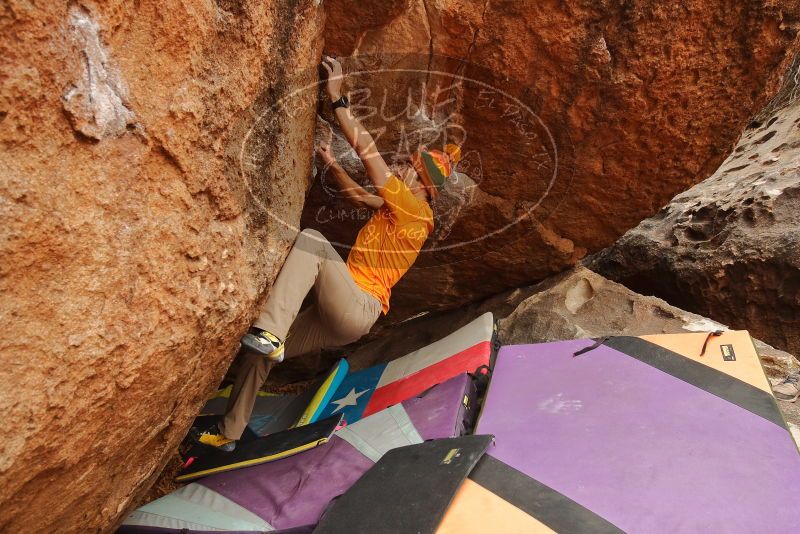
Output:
x=390 y=242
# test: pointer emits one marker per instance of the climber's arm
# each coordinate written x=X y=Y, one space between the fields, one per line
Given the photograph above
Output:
x=358 y=136
x=352 y=191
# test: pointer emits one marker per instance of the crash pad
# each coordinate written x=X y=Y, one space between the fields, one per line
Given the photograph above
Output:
x=407 y=490
x=272 y=412
x=362 y=393
x=205 y=460
x=293 y=492
x=650 y=434
x=323 y=394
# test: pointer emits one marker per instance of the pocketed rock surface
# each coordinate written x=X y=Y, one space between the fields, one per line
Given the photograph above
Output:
x=729 y=247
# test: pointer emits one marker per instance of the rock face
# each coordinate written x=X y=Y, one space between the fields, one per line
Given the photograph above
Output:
x=577 y=120
x=729 y=248
x=136 y=240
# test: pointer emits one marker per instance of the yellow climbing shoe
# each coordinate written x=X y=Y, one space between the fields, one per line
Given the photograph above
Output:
x=214 y=438
x=264 y=343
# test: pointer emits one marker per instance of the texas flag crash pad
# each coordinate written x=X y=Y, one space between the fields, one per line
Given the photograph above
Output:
x=365 y=392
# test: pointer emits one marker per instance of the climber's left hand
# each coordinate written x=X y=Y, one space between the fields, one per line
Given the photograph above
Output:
x=334 y=70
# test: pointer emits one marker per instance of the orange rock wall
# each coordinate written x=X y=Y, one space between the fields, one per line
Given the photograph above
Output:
x=641 y=99
x=132 y=251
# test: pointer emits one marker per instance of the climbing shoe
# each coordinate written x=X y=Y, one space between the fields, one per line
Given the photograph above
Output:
x=214 y=438
x=789 y=389
x=264 y=343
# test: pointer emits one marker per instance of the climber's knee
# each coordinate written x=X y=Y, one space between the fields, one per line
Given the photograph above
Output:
x=310 y=233
x=313 y=241
x=353 y=328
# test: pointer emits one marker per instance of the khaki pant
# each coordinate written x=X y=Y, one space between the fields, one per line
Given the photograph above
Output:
x=342 y=313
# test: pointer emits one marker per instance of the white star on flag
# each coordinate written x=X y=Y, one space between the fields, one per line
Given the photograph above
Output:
x=351 y=399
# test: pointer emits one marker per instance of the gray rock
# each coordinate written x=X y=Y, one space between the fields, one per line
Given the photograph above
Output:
x=729 y=247
x=581 y=304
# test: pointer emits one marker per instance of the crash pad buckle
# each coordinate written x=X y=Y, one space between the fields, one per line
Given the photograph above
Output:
x=715 y=333
x=598 y=341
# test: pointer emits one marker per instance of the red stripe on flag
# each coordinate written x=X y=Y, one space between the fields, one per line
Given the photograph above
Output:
x=466 y=361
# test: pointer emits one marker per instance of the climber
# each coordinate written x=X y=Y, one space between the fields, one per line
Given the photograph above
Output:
x=349 y=296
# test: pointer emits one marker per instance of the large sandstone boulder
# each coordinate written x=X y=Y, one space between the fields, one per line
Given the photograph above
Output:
x=729 y=248
x=578 y=119
x=142 y=169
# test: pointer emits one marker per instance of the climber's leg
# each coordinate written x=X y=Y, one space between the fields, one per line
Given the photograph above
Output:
x=346 y=311
x=307 y=334
x=298 y=275
x=249 y=379
x=342 y=314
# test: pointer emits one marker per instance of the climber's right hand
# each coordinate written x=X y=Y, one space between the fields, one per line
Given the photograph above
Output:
x=325 y=154
x=334 y=70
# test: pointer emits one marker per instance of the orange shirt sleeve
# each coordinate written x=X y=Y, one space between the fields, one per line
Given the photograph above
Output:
x=401 y=201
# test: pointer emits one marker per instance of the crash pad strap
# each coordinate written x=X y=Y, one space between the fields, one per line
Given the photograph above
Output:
x=715 y=333
x=706 y=378
x=548 y=506
x=597 y=343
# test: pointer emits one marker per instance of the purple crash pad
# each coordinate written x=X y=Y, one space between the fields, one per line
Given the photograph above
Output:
x=128 y=529
x=295 y=491
x=637 y=446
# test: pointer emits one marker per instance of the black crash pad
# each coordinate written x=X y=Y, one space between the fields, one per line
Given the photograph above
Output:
x=408 y=490
x=208 y=460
